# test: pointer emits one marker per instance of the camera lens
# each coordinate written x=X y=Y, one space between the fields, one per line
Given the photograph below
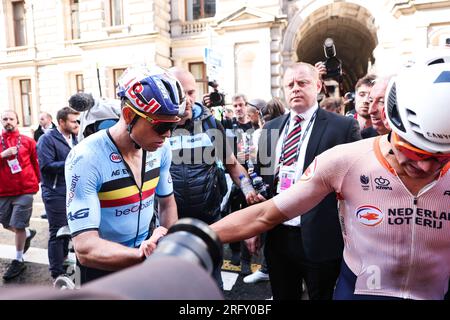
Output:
x=193 y=241
x=329 y=48
x=215 y=98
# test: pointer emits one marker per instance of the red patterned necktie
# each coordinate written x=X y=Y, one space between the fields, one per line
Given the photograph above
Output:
x=289 y=152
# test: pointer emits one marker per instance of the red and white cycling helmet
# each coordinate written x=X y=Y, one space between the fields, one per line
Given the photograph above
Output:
x=418 y=103
x=152 y=91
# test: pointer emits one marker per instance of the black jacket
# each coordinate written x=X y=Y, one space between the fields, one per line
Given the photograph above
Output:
x=195 y=183
x=321 y=232
x=39 y=132
x=52 y=151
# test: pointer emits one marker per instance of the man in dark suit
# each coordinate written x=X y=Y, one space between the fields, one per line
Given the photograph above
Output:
x=310 y=249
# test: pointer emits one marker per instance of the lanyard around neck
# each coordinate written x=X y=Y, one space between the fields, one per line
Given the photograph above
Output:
x=18 y=144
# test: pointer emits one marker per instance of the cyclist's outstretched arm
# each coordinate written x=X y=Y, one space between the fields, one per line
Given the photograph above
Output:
x=298 y=199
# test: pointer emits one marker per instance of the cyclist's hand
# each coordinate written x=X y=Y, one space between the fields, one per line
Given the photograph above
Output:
x=148 y=246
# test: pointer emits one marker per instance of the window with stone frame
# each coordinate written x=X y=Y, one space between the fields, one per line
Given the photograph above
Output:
x=74 y=19
x=198 y=69
x=18 y=24
x=25 y=101
x=199 y=9
x=115 y=12
x=79 y=83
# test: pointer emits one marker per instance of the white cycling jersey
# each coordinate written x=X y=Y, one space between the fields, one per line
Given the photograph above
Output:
x=396 y=244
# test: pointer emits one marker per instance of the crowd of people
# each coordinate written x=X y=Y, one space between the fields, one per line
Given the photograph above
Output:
x=352 y=206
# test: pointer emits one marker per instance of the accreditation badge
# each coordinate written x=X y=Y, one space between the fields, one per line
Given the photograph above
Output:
x=286 y=178
x=14 y=165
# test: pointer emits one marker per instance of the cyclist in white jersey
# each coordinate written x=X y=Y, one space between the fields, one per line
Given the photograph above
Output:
x=393 y=191
x=115 y=174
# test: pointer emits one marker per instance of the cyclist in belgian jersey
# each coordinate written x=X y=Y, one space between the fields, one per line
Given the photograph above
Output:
x=114 y=175
x=393 y=191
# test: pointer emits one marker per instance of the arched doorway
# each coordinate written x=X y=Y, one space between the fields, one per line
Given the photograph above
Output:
x=352 y=28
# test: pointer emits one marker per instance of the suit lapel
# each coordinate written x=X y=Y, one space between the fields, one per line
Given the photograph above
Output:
x=276 y=124
x=280 y=125
x=316 y=135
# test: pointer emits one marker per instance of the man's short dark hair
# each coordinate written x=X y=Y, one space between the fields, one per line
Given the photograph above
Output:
x=63 y=113
x=367 y=80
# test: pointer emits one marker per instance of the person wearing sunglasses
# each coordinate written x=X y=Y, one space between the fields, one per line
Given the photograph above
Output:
x=393 y=192
x=114 y=176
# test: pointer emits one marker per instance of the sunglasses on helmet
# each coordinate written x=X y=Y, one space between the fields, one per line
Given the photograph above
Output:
x=415 y=153
x=159 y=125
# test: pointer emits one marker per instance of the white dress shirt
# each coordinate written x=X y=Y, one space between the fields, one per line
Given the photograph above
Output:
x=68 y=139
x=301 y=155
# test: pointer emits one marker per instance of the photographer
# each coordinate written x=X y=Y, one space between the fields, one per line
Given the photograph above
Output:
x=332 y=64
x=330 y=69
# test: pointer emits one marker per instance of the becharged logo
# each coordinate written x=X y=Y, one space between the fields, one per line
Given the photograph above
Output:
x=369 y=215
x=115 y=157
x=73 y=185
x=133 y=209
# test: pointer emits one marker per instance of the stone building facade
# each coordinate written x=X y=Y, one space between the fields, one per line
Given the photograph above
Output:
x=51 y=49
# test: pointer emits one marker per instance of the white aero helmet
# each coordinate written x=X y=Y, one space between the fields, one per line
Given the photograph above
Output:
x=418 y=104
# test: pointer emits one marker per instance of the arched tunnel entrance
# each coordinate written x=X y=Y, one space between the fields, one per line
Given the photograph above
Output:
x=353 y=31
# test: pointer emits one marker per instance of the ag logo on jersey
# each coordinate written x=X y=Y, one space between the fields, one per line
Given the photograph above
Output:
x=310 y=171
x=369 y=215
x=80 y=214
x=115 y=157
